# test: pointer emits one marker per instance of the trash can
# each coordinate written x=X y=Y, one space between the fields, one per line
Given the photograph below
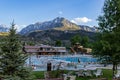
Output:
x=49 y=66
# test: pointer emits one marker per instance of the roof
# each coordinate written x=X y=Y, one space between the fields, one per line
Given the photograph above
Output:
x=36 y=49
x=30 y=47
x=59 y=47
x=33 y=47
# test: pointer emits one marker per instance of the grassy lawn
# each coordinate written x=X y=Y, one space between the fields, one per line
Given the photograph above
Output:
x=38 y=74
x=107 y=73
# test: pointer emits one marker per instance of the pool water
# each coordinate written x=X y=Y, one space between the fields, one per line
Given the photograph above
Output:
x=77 y=59
x=41 y=61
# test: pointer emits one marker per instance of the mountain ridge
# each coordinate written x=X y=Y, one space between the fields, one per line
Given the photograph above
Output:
x=58 y=23
x=3 y=28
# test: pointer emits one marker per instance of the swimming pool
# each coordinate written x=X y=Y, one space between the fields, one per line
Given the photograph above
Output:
x=69 y=58
x=79 y=59
x=40 y=62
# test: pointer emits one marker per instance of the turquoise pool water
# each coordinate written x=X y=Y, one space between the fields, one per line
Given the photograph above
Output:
x=41 y=61
x=77 y=59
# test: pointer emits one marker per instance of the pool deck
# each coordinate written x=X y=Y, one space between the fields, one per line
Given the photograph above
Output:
x=41 y=62
x=109 y=67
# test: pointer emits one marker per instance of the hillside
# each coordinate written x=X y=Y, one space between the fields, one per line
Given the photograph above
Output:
x=50 y=36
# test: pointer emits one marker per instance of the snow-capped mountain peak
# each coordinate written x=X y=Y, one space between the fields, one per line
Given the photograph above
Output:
x=3 y=28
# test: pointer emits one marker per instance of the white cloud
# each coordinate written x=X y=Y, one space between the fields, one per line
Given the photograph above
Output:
x=73 y=21
x=60 y=12
x=81 y=20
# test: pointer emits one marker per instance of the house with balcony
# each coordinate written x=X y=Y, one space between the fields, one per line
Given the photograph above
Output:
x=44 y=50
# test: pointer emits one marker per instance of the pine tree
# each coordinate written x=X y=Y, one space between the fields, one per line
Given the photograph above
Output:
x=75 y=39
x=84 y=41
x=12 y=59
x=107 y=47
x=58 y=43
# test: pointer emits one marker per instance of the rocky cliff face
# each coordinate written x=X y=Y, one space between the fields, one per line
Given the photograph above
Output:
x=87 y=28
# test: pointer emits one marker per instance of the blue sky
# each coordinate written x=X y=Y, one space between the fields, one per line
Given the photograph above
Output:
x=25 y=12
